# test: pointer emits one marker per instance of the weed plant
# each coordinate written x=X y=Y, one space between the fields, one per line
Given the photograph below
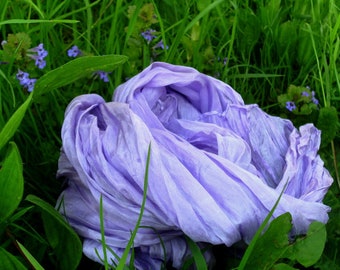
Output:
x=266 y=50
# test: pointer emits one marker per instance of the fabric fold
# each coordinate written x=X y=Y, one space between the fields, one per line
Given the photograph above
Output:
x=217 y=166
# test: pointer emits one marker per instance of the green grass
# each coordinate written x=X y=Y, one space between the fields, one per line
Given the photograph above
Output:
x=268 y=45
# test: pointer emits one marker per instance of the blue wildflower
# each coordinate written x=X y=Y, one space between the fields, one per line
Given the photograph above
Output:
x=161 y=45
x=41 y=53
x=305 y=94
x=25 y=80
x=40 y=50
x=30 y=85
x=224 y=60
x=39 y=62
x=314 y=99
x=22 y=77
x=104 y=76
x=74 y=51
x=290 y=105
x=148 y=35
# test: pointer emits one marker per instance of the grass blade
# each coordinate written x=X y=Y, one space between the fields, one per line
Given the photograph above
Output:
x=133 y=235
x=34 y=263
x=13 y=123
x=102 y=232
x=197 y=255
x=258 y=233
x=24 y=21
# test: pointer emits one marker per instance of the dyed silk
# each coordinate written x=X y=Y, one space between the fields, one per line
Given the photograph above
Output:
x=217 y=166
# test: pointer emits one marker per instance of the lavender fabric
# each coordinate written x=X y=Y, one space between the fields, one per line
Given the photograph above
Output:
x=217 y=166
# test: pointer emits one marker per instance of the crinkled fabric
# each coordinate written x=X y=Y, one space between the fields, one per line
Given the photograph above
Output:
x=217 y=166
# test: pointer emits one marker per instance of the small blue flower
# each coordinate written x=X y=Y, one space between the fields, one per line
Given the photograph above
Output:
x=224 y=60
x=74 y=51
x=25 y=81
x=148 y=35
x=104 y=76
x=161 y=45
x=22 y=76
x=290 y=105
x=30 y=85
x=39 y=50
x=41 y=53
x=305 y=94
x=39 y=61
x=314 y=100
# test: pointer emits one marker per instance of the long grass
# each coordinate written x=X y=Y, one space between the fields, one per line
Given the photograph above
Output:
x=258 y=47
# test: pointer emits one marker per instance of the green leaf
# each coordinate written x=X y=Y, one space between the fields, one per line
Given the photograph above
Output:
x=203 y=13
x=65 y=242
x=287 y=38
x=19 y=213
x=102 y=232
x=13 y=123
x=253 y=242
x=327 y=123
x=248 y=30
x=203 y=4
x=269 y=14
x=76 y=69
x=121 y=264
x=272 y=244
x=11 y=182
x=59 y=77
x=282 y=266
x=197 y=255
x=308 y=37
x=16 y=46
x=8 y=261
x=25 y=21
x=308 y=250
x=29 y=257
x=294 y=92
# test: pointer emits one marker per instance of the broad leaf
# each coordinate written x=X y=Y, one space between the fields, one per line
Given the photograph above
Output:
x=13 y=123
x=272 y=244
x=253 y=243
x=59 y=77
x=76 y=69
x=11 y=182
x=9 y=261
x=65 y=242
x=328 y=124
x=307 y=250
x=282 y=266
